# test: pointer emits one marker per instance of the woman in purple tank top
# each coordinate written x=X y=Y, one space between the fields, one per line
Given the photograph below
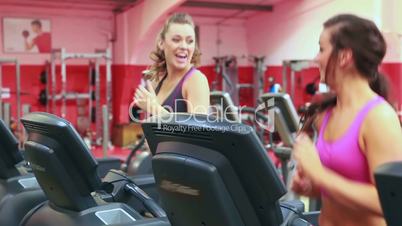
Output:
x=172 y=82
x=358 y=129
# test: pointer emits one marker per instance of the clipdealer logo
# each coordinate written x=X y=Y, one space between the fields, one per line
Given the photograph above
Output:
x=266 y=109
x=269 y=107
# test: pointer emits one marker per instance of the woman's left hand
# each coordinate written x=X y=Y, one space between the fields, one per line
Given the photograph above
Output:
x=306 y=155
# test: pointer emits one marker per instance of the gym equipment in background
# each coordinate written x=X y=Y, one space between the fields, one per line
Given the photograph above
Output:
x=226 y=69
x=226 y=75
x=388 y=178
x=312 y=87
x=5 y=117
x=139 y=161
x=275 y=106
x=259 y=73
x=67 y=172
x=222 y=106
x=19 y=190
x=101 y=115
x=286 y=123
x=289 y=68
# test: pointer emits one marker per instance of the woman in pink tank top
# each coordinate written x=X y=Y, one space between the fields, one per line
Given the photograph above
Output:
x=358 y=129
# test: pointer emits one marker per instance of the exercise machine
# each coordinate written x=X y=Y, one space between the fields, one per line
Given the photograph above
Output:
x=67 y=172
x=388 y=178
x=282 y=112
x=222 y=106
x=216 y=173
x=139 y=161
x=287 y=124
x=19 y=190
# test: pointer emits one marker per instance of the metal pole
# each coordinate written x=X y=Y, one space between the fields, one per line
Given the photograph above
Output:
x=109 y=93
x=99 y=54
x=1 y=92
x=47 y=85
x=53 y=88
x=105 y=139
x=7 y=114
x=262 y=75
x=258 y=77
x=292 y=84
x=18 y=87
x=230 y=69
x=98 y=105
x=285 y=76
x=26 y=108
x=63 y=83
x=90 y=89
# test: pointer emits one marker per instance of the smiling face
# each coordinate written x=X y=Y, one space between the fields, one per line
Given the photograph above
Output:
x=324 y=54
x=178 y=46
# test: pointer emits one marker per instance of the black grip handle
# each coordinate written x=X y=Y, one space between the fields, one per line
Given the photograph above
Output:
x=148 y=203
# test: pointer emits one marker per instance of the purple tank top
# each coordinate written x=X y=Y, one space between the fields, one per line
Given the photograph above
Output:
x=344 y=155
x=175 y=102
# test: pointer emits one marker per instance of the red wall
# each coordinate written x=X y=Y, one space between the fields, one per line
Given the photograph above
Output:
x=245 y=76
x=30 y=86
x=127 y=77
x=394 y=72
x=78 y=81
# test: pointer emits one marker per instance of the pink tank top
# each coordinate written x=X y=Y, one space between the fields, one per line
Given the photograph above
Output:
x=344 y=155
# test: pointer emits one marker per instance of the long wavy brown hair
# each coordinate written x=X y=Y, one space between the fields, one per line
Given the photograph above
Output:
x=159 y=68
x=368 y=47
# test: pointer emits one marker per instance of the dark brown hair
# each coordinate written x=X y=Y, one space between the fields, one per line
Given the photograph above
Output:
x=158 y=68
x=37 y=23
x=368 y=48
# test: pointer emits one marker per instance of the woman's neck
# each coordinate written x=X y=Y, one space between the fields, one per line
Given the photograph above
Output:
x=173 y=73
x=353 y=91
